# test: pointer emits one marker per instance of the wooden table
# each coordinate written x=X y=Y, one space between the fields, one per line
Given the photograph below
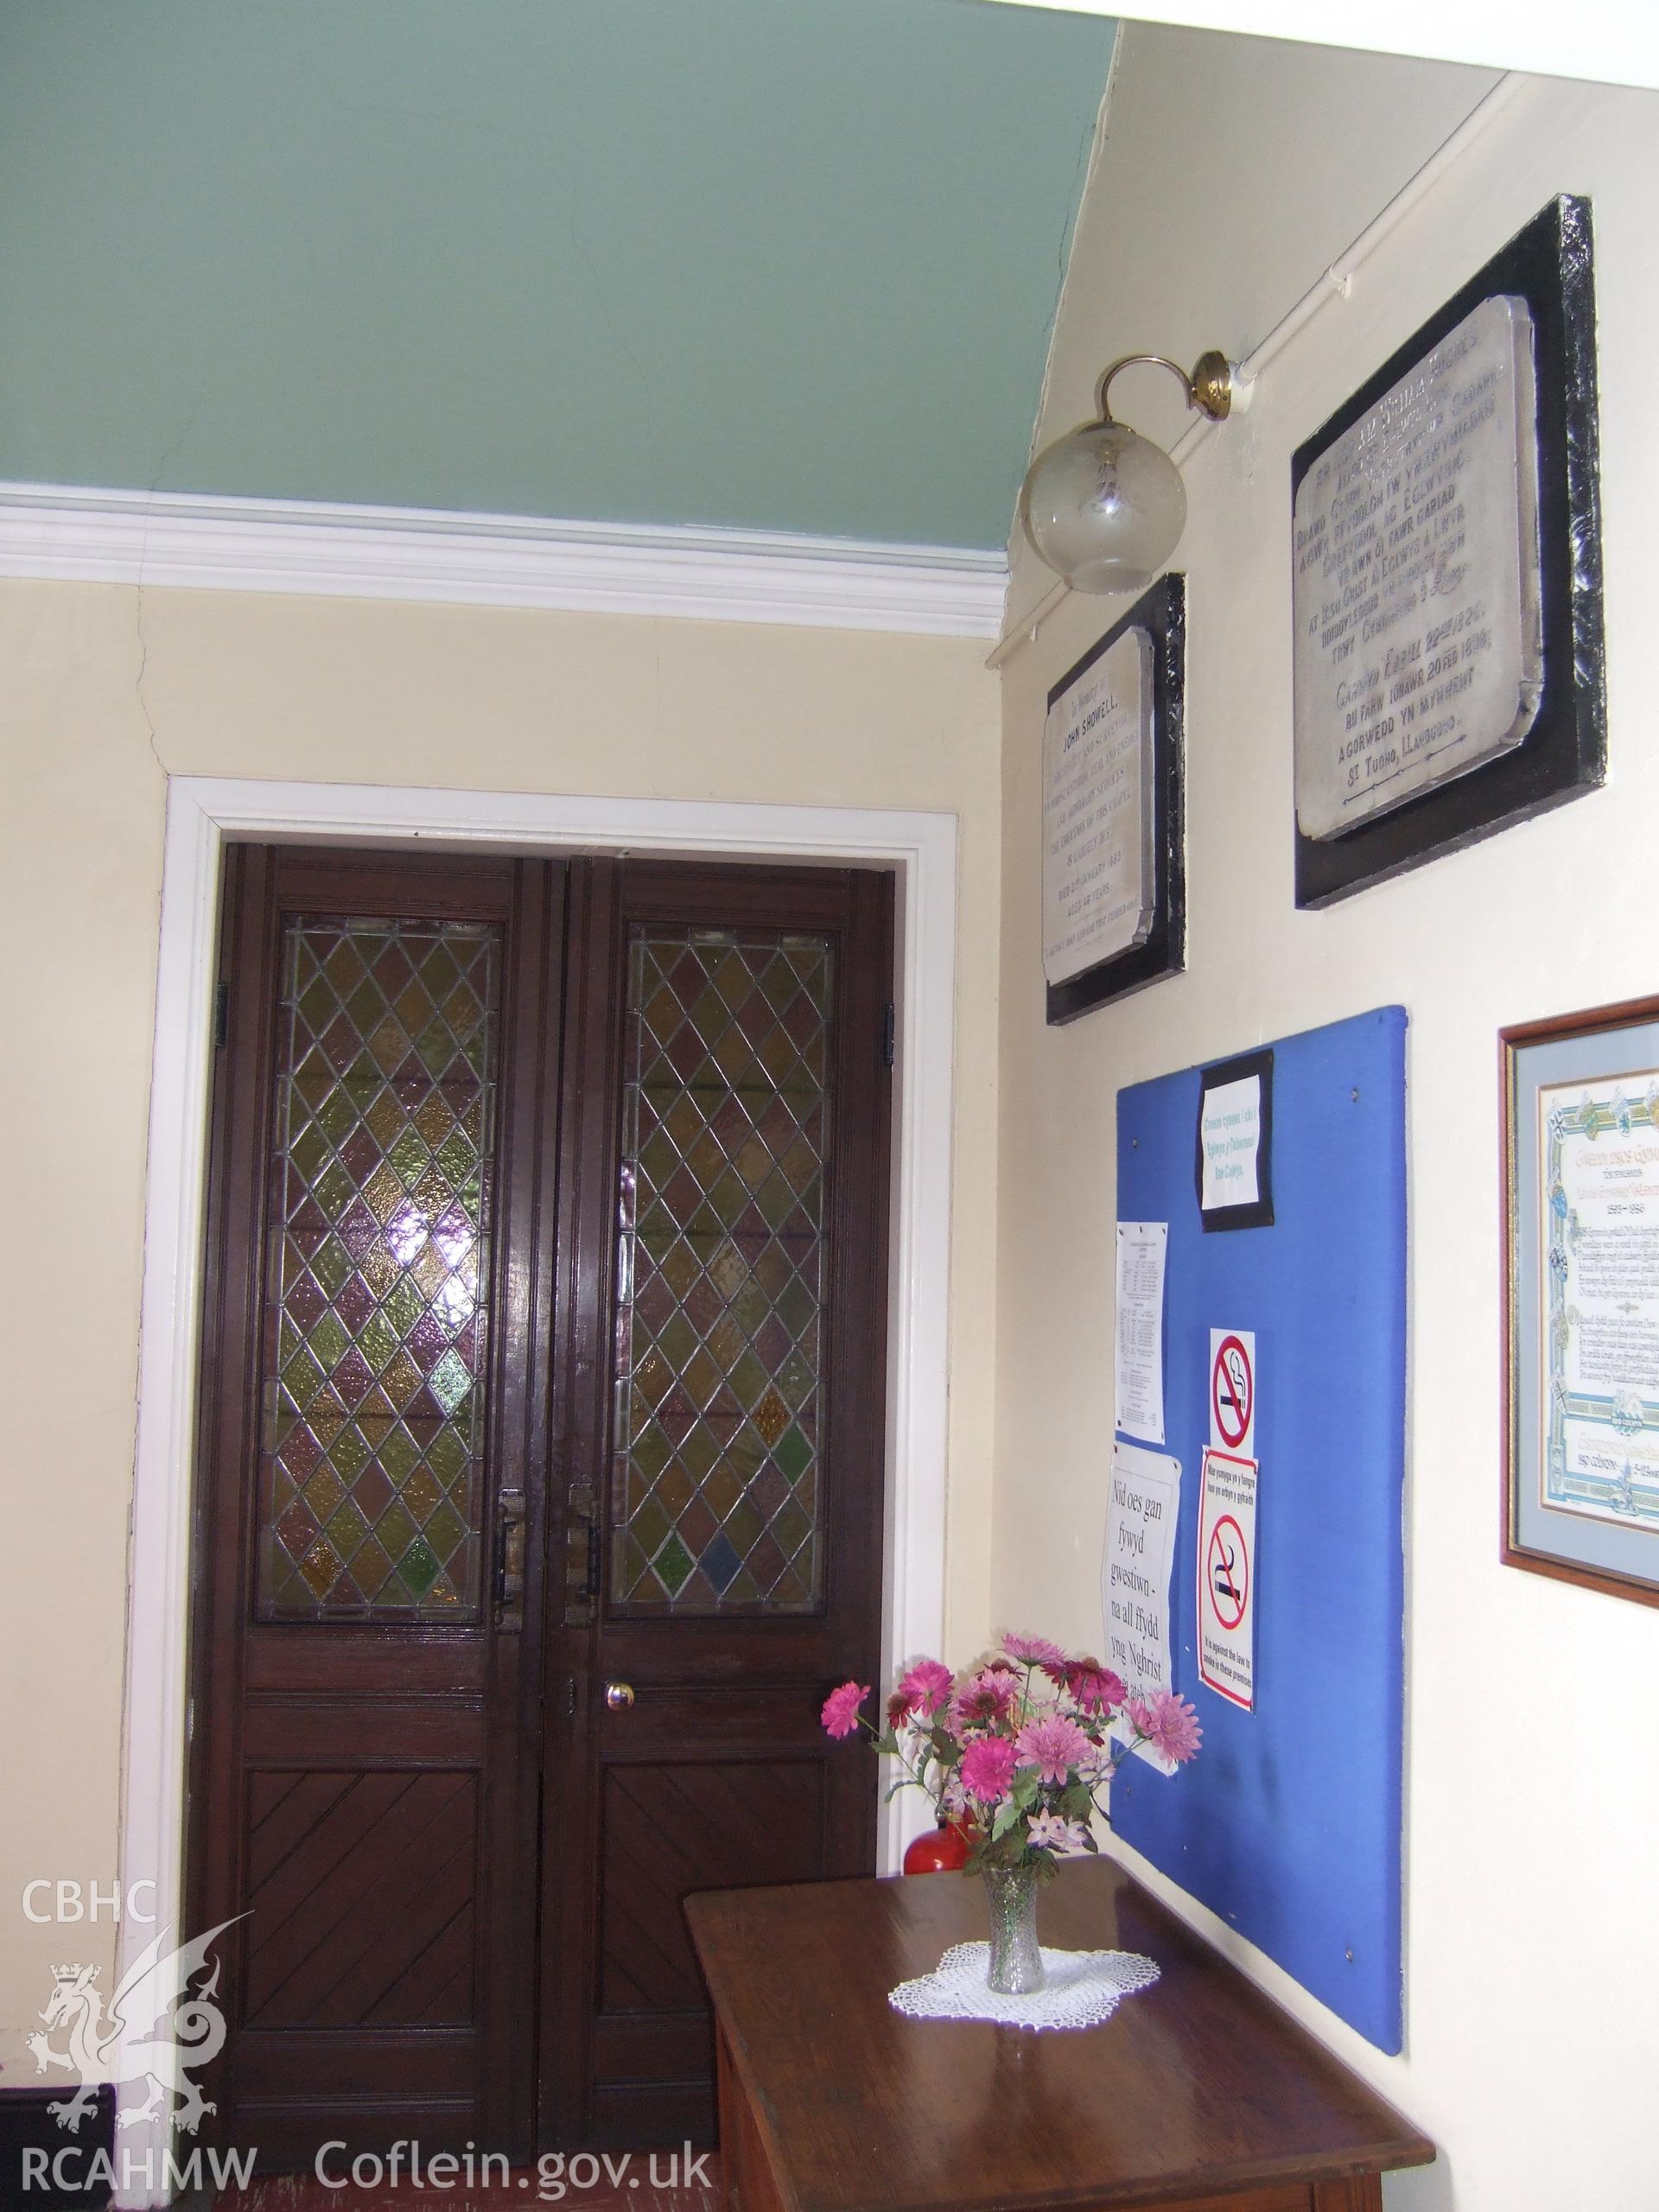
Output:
x=1199 y=2092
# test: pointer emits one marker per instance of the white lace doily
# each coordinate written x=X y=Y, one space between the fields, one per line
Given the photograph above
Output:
x=1082 y=1989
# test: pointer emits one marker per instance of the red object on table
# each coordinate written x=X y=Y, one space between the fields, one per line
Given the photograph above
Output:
x=943 y=1852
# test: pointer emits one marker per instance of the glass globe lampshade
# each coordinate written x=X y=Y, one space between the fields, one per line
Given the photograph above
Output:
x=1105 y=507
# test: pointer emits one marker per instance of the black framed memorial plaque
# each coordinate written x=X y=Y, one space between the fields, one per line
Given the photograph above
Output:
x=1446 y=571
x=1114 y=864
x=1581 y=1105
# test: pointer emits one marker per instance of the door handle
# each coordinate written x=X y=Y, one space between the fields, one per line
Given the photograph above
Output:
x=618 y=1696
x=510 y=1560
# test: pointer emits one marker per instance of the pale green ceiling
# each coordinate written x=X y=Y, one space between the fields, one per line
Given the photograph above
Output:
x=789 y=264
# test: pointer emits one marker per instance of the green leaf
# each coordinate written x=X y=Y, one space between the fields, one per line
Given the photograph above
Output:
x=1007 y=1814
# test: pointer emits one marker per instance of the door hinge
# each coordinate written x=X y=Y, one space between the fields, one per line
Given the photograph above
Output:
x=221 y=1016
x=889 y=1035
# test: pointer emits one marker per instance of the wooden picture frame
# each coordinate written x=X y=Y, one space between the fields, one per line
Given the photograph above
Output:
x=1548 y=267
x=1579 y=1101
x=1159 y=616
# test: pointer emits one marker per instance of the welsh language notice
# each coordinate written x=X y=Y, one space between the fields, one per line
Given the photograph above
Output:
x=1144 y=1508
x=1418 y=625
x=1097 y=859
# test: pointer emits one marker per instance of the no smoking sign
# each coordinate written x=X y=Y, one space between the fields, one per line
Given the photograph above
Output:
x=1232 y=1390
x=1227 y=1573
x=1227 y=1576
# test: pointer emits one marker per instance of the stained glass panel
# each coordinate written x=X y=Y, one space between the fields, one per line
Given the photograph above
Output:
x=722 y=1272
x=372 y=1465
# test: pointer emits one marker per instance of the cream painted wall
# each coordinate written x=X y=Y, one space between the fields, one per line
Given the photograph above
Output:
x=1533 y=1785
x=103 y=690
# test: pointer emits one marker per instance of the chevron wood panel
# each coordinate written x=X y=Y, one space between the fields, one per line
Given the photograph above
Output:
x=672 y=1829
x=362 y=1886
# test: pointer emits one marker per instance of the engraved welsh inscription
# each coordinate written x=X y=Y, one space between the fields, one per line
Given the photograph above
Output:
x=1098 y=875
x=1418 y=625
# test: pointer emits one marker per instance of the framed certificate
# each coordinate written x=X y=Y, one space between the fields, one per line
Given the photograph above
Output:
x=1114 y=882
x=1581 y=1306
x=1446 y=577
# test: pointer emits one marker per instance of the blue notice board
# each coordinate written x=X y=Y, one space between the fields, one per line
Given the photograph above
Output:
x=1287 y=1824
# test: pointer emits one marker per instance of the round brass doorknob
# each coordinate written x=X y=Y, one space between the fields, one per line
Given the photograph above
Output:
x=618 y=1695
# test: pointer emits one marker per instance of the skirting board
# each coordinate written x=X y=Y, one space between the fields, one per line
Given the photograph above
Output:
x=28 y=2131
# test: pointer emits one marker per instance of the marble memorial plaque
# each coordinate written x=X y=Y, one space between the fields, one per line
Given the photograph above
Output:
x=1418 y=623
x=1098 y=873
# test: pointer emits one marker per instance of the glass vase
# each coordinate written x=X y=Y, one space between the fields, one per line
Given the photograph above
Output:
x=1016 y=1963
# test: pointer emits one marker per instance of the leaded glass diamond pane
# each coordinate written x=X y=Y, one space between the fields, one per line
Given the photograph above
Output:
x=371 y=1480
x=721 y=1272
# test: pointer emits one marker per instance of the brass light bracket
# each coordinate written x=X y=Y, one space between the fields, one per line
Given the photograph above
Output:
x=1209 y=389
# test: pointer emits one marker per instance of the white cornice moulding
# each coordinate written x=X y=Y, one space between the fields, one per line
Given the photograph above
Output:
x=64 y=532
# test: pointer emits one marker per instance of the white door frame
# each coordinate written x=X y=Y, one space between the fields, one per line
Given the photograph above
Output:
x=202 y=814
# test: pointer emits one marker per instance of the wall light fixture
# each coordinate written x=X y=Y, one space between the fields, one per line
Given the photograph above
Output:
x=1106 y=507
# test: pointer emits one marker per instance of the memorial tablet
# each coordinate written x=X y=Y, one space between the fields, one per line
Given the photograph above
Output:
x=1419 y=634
x=1114 y=841
x=1097 y=812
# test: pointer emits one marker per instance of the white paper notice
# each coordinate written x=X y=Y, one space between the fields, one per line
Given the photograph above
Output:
x=1230 y=1130
x=1135 y=1572
x=1141 y=1246
x=1226 y=1577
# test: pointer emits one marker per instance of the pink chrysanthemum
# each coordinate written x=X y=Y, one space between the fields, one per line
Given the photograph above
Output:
x=1053 y=1746
x=987 y=1768
x=925 y=1688
x=1094 y=1688
x=841 y=1708
x=984 y=1699
x=1169 y=1725
x=1046 y=1831
x=1034 y=1650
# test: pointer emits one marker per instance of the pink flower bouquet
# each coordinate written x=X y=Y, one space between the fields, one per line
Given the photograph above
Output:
x=1016 y=1748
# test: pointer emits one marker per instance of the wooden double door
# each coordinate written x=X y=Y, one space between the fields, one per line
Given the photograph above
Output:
x=540 y=1497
